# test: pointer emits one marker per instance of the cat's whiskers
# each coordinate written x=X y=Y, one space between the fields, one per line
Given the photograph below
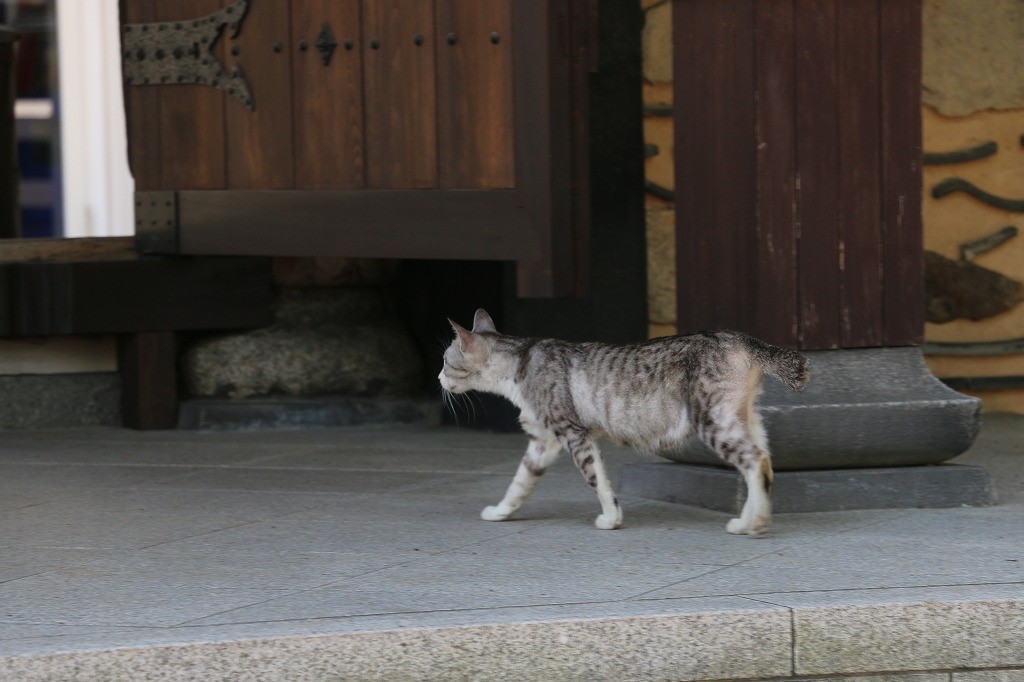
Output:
x=449 y=402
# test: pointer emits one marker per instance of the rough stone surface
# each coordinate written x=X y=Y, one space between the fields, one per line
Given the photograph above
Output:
x=884 y=677
x=921 y=636
x=1016 y=675
x=872 y=407
x=941 y=486
x=39 y=401
x=324 y=341
x=972 y=54
x=661 y=266
x=680 y=647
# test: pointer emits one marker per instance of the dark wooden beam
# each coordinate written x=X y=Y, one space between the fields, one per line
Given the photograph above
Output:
x=149 y=294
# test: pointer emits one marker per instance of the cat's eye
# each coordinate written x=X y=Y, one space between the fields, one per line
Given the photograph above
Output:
x=457 y=370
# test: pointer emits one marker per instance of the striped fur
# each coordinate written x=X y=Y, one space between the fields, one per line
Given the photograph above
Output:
x=652 y=395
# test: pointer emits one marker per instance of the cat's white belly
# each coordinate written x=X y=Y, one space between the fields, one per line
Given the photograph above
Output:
x=646 y=424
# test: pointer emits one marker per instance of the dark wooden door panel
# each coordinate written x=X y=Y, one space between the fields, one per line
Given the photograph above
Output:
x=328 y=98
x=857 y=98
x=401 y=92
x=259 y=141
x=475 y=93
x=776 y=173
x=818 y=173
x=192 y=155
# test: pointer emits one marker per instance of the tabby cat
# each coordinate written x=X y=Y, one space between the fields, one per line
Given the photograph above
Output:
x=651 y=395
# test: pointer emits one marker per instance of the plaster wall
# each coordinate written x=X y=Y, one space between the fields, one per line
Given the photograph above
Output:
x=973 y=93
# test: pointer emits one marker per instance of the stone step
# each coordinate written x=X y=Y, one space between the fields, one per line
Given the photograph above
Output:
x=893 y=633
x=941 y=486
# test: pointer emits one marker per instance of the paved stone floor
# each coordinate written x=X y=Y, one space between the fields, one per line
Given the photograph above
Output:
x=359 y=554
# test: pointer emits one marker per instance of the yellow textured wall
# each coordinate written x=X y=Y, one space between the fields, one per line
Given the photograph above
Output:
x=661 y=215
x=973 y=89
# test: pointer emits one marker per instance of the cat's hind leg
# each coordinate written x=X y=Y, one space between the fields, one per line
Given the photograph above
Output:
x=540 y=454
x=756 y=515
x=588 y=460
x=740 y=448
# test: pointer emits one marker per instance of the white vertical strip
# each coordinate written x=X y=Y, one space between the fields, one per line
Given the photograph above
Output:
x=97 y=185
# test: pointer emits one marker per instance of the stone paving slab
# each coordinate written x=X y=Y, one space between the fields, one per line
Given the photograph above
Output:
x=359 y=554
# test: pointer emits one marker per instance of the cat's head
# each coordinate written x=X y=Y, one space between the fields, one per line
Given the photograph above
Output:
x=467 y=361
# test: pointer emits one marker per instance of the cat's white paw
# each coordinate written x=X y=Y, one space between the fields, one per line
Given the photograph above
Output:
x=754 y=529
x=494 y=513
x=605 y=522
x=736 y=527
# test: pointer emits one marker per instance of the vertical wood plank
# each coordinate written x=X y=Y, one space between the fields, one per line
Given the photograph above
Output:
x=401 y=93
x=537 y=146
x=583 y=63
x=900 y=37
x=476 y=134
x=147 y=363
x=142 y=110
x=715 y=164
x=191 y=130
x=818 y=174
x=328 y=100
x=859 y=174
x=777 y=307
x=259 y=142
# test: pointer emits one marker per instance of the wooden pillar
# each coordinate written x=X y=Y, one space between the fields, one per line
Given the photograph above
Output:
x=798 y=208
x=797 y=137
x=149 y=390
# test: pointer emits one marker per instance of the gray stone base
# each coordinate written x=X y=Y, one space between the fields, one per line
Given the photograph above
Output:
x=870 y=407
x=945 y=485
x=47 y=401
x=298 y=413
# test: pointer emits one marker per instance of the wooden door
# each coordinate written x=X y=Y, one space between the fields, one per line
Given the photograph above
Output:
x=377 y=128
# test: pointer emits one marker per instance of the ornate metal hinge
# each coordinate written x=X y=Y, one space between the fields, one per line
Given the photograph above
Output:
x=172 y=52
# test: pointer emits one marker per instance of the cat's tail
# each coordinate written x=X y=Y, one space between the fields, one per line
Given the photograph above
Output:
x=788 y=366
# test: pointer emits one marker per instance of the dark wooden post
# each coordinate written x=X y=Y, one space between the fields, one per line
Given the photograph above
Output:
x=147 y=362
x=798 y=170
x=9 y=222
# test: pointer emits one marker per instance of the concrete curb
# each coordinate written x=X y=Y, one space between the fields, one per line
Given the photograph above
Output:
x=781 y=636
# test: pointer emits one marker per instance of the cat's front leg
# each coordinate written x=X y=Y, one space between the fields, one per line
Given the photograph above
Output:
x=540 y=454
x=588 y=460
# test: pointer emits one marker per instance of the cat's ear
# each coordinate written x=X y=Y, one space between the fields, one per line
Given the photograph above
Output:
x=466 y=338
x=482 y=322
